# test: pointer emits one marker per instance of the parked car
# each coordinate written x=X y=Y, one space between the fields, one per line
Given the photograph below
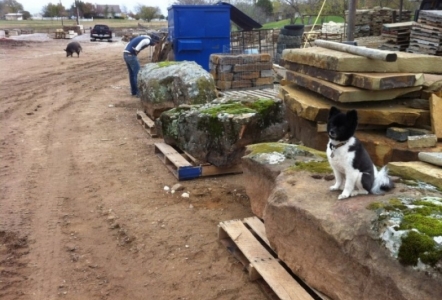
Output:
x=101 y=32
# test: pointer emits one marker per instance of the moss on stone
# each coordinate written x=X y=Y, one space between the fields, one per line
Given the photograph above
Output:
x=233 y=108
x=163 y=64
x=375 y=206
x=416 y=245
x=425 y=224
x=206 y=89
x=267 y=148
x=422 y=220
x=318 y=167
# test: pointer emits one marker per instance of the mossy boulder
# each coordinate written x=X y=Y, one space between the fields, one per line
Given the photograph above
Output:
x=166 y=85
x=218 y=132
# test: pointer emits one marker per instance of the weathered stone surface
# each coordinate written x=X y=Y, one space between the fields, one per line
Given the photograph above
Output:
x=339 y=248
x=218 y=132
x=418 y=170
x=434 y=158
x=314 y=107
x=397 y=133
x=436 y=114
x=369 y=81
x=264 y=162
x=380 y=148
x=346 y=94
x=166 y=85
x=345 y=62
x=384 y=81
x=422 y=141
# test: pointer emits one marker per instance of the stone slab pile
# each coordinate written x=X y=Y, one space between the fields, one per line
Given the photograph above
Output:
x=386 y=94
x=243 y=71
x=426 y=33
x=396 y=35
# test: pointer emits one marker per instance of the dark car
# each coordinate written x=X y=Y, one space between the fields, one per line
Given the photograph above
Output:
x=101 y=32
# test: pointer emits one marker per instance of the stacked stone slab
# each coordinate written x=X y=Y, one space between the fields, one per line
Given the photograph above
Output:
x=426 y=33
x=397 y=36
x=384 y=94
x=370 y=21
x=242 y=71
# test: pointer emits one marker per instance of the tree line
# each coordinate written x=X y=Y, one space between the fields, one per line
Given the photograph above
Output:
x=262 y=11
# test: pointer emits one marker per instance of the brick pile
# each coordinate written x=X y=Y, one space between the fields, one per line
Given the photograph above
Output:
x=241 y=71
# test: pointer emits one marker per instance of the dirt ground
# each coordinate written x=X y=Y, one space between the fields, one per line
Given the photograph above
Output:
x=83 y=209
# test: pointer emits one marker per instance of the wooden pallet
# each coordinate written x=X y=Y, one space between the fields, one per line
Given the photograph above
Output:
x=147 y=123
x=185 y=167
x=247 y=241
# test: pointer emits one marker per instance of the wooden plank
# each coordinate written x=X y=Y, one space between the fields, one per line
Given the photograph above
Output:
x=147 y=123
x=281 y=282
x=172 y=155
x=258 y=227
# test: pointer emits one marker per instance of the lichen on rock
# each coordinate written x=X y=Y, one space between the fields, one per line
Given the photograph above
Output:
x=166 y=85
x=412 y=230
x=217 y=132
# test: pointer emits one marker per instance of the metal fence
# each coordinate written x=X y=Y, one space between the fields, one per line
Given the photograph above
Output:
x=255 y=41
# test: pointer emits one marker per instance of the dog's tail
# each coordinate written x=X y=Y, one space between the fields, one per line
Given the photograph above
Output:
x=382 y=182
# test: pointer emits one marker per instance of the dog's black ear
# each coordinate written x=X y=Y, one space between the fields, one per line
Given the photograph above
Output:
x=352 y=118
x=333 y=111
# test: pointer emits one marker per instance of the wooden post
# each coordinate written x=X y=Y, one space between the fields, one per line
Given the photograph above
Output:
x=362 y=51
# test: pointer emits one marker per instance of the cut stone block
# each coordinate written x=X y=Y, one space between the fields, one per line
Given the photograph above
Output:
x=417 y=170
x=345 y=62
x=369 y=81
x=397 y=134
x=436 y=115
x=314 y=107
x=422 y=141
x=346 y=94
x=434 y=158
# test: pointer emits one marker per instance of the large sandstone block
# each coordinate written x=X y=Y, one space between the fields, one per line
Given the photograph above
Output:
x=360 y=248
x=218 y=132
x=347 y=94
x=345 y=62
x=369 y=81
x=166 y=85
x=276 y=157
x=315 y=107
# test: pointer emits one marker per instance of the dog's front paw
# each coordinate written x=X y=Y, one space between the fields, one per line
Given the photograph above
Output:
x=343 y=196
x=334 y=187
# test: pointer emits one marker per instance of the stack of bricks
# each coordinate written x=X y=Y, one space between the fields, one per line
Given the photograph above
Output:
x=243 y=71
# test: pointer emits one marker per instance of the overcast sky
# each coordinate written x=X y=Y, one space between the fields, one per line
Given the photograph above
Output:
x=36 y=6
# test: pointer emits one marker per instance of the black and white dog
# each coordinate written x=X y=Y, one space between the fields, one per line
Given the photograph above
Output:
x=352 y=166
